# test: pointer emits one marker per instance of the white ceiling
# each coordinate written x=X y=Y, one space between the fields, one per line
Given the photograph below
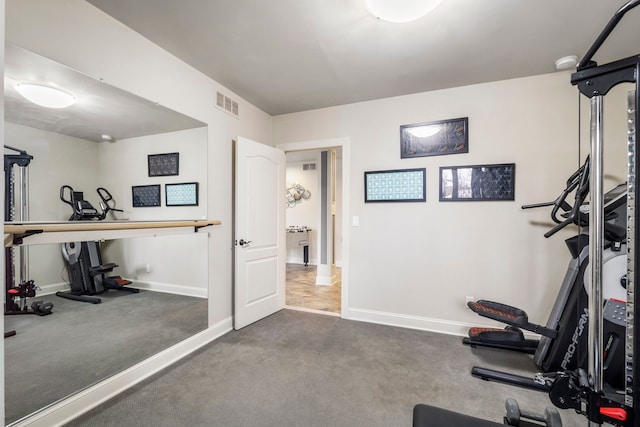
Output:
x=100 y=109
x=293 y=55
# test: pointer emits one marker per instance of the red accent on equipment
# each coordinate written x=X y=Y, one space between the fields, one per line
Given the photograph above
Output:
x=615 y=413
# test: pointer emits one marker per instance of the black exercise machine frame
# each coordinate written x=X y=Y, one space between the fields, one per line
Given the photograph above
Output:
x=595 y=81
x=578 y=390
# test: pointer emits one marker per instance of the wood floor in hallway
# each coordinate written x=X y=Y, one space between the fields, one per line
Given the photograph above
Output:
x=302 y=292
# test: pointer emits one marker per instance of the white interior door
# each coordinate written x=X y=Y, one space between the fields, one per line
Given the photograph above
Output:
x=259 y=231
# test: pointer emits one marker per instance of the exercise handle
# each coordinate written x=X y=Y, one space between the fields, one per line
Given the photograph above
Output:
x=68 y=201
x=106 y=197
x=539 y=205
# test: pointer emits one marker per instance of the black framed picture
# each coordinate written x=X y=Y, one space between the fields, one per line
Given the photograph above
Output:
x=478 y=182
x=435 y=138
x=144 y=196
x=183 y=194
x=401 y=185
x=166 y=164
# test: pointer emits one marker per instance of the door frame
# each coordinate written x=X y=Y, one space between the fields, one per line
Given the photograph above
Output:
x=345 y=144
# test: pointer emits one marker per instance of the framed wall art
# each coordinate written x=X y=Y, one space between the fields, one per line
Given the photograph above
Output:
x=185 y=194
x=435 y=138
x=478 y=182
x=166 y=164
x=144 y=196
x=403 y=185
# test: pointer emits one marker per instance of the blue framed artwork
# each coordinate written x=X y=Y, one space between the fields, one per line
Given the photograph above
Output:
x=184 y=194
x=402 y=185
x=144 y=196
x=478 y=182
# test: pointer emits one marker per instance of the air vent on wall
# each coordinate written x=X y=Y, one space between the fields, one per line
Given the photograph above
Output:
x=227 y=104
x=308 y=166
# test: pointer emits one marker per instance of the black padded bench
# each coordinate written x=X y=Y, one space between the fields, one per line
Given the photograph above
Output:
x=430 y=416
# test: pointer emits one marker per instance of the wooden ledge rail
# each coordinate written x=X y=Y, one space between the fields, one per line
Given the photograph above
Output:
x=58 y=232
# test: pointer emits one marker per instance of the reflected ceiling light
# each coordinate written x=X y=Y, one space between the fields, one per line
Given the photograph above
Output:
x=424 y=131
x=45 y=96
x=400 y=10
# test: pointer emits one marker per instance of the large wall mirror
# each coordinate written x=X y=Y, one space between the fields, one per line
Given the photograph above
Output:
x=103 y=140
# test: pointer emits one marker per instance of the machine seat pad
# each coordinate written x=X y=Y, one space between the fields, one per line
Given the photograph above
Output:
x=430 y=416
x=104 y=268
x=500 y=312
x=495 y=335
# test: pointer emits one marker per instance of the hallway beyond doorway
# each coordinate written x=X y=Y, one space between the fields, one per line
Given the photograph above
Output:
x=302 y=292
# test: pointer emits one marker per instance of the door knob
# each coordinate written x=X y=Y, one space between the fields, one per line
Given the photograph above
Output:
x=243 y=242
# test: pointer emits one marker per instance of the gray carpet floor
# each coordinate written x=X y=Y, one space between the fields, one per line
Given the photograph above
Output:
x=79 y=344
x=302 y=369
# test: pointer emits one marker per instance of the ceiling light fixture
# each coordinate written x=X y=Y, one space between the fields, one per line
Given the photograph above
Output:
x=45 y=96
x=400 y=10
x=566 y=62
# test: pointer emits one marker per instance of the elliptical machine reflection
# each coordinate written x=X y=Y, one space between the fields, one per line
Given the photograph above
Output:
x=87 y=272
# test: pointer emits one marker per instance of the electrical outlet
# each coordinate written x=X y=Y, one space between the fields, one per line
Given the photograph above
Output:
x=467 y=300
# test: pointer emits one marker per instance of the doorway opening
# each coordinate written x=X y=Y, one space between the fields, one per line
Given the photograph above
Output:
x=314 y=218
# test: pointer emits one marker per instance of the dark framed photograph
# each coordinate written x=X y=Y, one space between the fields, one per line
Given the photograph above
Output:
x=435 y=138
x=144 y=196
x=478 y=182
x=184 y=194
x=402 y=185
x=166 y=164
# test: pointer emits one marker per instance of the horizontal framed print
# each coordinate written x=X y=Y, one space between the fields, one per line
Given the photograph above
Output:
x=144 y=196
x=435 y=138
x=184 y=194
x=166 y=164
x=478 y=182
x=402 y=185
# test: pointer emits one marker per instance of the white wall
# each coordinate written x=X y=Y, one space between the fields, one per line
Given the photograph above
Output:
x=77 y=34
x=86 y=165
x=124 y=163
x=57 y=160
x=82 y=37
x=413 y=264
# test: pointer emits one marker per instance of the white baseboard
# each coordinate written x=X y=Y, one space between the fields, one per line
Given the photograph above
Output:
x=52 y=289
x=64 y=411
x=168 y=288
x=412 y=322
x=441 y=326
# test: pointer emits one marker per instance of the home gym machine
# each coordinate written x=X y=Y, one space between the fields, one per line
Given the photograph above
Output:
x=87 y=272
x=563 y=341
x=584 y=389
x=18 y=294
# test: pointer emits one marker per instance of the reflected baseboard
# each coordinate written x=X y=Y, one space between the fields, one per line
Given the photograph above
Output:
x=52 y=289
x=168 y=288
x=64 y=411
